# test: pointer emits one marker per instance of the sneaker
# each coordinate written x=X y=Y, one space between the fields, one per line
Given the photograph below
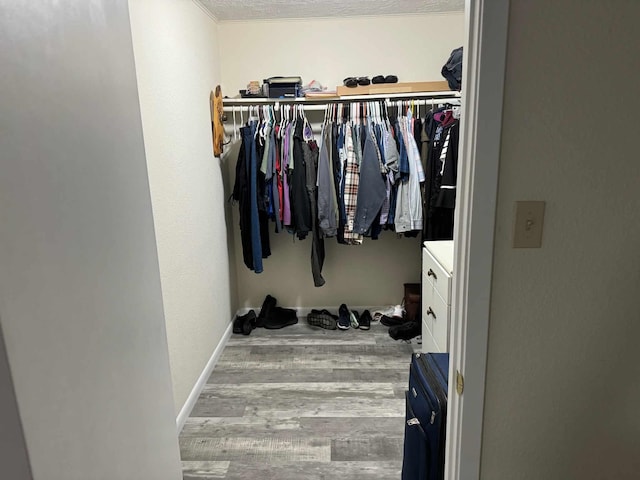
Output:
x=267 y=309
x=406 y=332
x=365 y=320
x=391 y=311
x=322 y=319
x=392 y=321
x=244 y=324
x=354 y=318
x=344 y=318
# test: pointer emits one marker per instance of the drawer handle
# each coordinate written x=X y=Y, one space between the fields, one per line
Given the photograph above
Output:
x=431 y=312
x=431 y=273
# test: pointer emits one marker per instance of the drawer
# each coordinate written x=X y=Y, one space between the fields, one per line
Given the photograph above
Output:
x=436 y=316
x=429 y=295
x=428 y=343
x=433 y=272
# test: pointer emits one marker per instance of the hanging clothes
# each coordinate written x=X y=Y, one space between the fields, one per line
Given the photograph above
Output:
x=371 y=189
x=241 y=195
x=350 y=185
x=310 y=158
x=246 y=193
x=409 y=216
x=374 y=169
x=300 y=205
x=443 y=130
x=326 y=187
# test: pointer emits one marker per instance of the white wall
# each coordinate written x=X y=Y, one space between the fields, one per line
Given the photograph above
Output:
x=368 y=275
x=412 y=47
x=80 y=297
x=176 y=53
x=563 y=364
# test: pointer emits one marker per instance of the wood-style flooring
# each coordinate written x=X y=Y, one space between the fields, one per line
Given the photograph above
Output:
x=301 y=403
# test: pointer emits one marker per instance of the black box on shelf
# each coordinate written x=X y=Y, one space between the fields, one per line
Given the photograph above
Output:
x=282 y=87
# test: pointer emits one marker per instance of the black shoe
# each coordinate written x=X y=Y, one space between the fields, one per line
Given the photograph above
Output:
x=392 y=321
x=280 y=317
x=265 y=312
x=245 y=323
x=406 y=332
x=344 y=318
x=365 y=320
x=322 y=319
x=352 y=82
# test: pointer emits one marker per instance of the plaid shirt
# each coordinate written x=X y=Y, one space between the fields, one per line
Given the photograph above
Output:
x=351 y=182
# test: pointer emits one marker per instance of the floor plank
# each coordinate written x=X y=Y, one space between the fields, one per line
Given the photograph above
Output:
x=268 y=449
x=306 y=390
x=343 y=427
x=192 y=470
x=367 y=448
x=240 y=375
x=383 y=470
x=210 y=406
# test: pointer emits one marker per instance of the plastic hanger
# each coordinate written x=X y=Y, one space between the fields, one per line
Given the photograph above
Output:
x=233 y=113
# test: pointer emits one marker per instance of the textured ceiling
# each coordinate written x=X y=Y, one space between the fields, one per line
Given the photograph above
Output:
x=273 y=9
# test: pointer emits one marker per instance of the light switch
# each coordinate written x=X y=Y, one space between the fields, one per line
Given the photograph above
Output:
x=527 y=231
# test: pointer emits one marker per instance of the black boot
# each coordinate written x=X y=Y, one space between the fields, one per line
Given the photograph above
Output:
x=245 y=323
x=266 y=311
x=281 y=317
x=406 y=331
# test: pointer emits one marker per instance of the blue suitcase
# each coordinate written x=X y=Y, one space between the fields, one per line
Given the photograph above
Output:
x=426 y=417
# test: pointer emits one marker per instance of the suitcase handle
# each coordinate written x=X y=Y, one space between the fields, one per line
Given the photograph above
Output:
x=431 y=273
x=431 y=312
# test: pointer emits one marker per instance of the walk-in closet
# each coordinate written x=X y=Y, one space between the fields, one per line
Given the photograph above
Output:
x=324 y=402
x=139 y=341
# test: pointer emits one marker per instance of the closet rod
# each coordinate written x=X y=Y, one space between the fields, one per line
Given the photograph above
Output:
x=323 y=106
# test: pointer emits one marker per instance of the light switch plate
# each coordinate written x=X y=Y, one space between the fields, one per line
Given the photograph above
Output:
x=527 y=232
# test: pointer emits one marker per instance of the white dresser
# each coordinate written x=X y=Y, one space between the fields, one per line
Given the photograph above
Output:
x=437 y=271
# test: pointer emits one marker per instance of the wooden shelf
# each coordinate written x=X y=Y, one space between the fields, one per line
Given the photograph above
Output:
x=354 y=96
x=393 y=88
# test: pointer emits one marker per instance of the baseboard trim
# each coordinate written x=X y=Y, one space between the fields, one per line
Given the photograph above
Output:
x=202 y=379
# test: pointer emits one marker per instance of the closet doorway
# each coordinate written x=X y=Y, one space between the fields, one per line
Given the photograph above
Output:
x=485 y=42
x=485 y=47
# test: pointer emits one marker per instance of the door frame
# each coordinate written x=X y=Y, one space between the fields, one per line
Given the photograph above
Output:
x=484 y=60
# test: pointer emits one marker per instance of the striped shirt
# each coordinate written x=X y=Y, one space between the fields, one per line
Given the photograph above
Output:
x=351 y=182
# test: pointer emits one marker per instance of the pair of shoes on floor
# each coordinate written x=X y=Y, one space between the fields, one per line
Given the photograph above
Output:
x=323 y=319
x=347 y=318
x=406 y=331
x=352 y=319
x=244 y=324
x=273 y=317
